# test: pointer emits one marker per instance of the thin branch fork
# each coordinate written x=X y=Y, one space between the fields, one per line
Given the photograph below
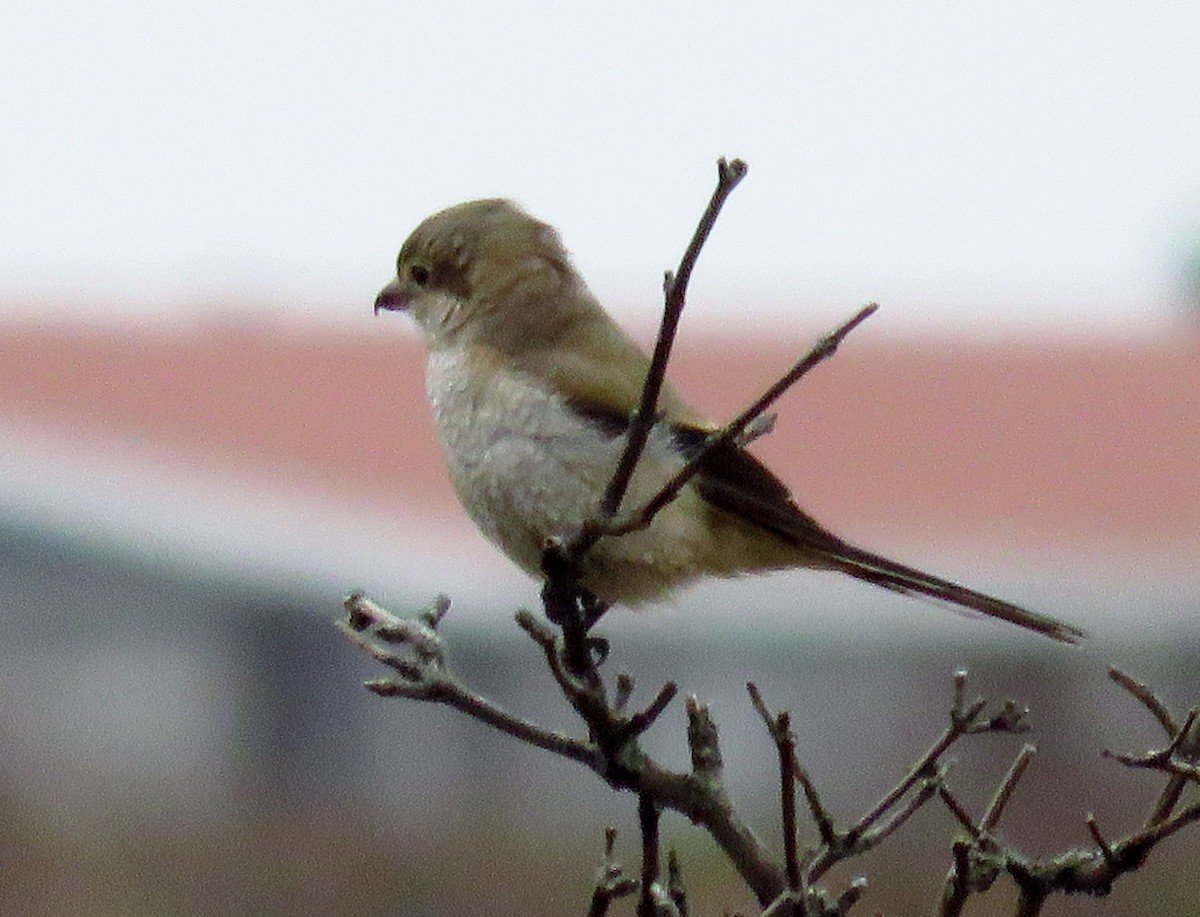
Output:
x=565 y=600
x=780 y=727
x=925 y=776
x=368 y=625
x=700 y=795
x=413 y=649
x=729 y=174
x=611 y=881
x=734 y=430
x=1086 y=871
x=975 y=867
x=747 y=425
x=613 y=753
x=1182 y=754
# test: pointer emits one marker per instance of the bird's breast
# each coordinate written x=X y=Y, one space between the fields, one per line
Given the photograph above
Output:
x=527 y=467
x=524 y=464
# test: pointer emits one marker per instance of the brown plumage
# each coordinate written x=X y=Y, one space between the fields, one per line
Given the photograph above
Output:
x=533 y=384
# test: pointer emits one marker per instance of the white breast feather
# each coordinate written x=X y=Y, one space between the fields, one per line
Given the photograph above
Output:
x=526 y=467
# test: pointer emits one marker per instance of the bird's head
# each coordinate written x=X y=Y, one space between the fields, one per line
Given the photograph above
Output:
x=481 y=268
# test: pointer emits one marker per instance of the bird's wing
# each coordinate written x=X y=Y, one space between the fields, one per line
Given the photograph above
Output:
x=598 y=368
x=600 y=374
x=733 y=480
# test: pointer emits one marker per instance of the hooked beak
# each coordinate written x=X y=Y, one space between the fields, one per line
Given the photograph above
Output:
x=391 y=298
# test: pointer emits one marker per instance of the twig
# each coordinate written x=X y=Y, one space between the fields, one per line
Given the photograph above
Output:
x=565 y=600
x=1165 y=759
x=972 y=870
x=699 y=796
x=624 y=692
x=675 y=886
x=729 y=174
x=414 y=650
x=887 y=815
x=890 y=823
x=703 y=741
x=1143 y=693
x=733 y=430
x=817 y=810
x=820 y=814
x=855 y=890
x=1185 y=741
x=787 y=791
x=961 y=815
x=780 y=728
x=640 y=722
x=957 y=888
x=611 y=882
x=1106 y=851
x=924 y=768
x=648 y=821
x=425 y=677
x=1004 y=792
x=1168 y=799
x=613 y=753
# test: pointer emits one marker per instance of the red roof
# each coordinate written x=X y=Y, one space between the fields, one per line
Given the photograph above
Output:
x=1080 y=446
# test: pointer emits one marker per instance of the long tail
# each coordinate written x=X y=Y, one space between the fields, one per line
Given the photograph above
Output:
x=734 y=481
x=889 y=574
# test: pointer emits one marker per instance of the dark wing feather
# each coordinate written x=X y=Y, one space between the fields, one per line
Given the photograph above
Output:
x=733 y=480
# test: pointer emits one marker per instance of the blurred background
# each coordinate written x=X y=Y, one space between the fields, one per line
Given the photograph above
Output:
x=206 y=439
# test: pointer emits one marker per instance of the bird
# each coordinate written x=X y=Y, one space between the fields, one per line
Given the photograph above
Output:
x=533 y=387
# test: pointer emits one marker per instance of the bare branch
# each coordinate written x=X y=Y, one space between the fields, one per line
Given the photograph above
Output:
x=820 y=815
x=640 y=722
x=425 y=677
x=703 y=741
x=1143 y=693
x=1103 y=845
x=412 y=648
x=729 y=174
x=1185 y=746
x=961 y=815
x=675 y=886
x=624 y=692
x=611 y=882
x=889 y=814
x=780 y=727
x=923 y=769
x=899 y=815
x=733 y=430
x=855 y=890
x=958 y=884
x=1004 y=792
x=418 y=633
x=648 y=821
x=1166 y=759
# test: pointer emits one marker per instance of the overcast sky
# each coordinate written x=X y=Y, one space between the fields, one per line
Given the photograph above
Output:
x=1006 y=164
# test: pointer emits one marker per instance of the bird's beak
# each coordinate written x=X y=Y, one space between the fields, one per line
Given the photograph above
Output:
x=391 y=298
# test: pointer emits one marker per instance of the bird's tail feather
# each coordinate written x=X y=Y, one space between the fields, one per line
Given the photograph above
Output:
x=889 y=574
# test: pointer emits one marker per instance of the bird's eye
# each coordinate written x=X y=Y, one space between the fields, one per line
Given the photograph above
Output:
x=419 y=274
